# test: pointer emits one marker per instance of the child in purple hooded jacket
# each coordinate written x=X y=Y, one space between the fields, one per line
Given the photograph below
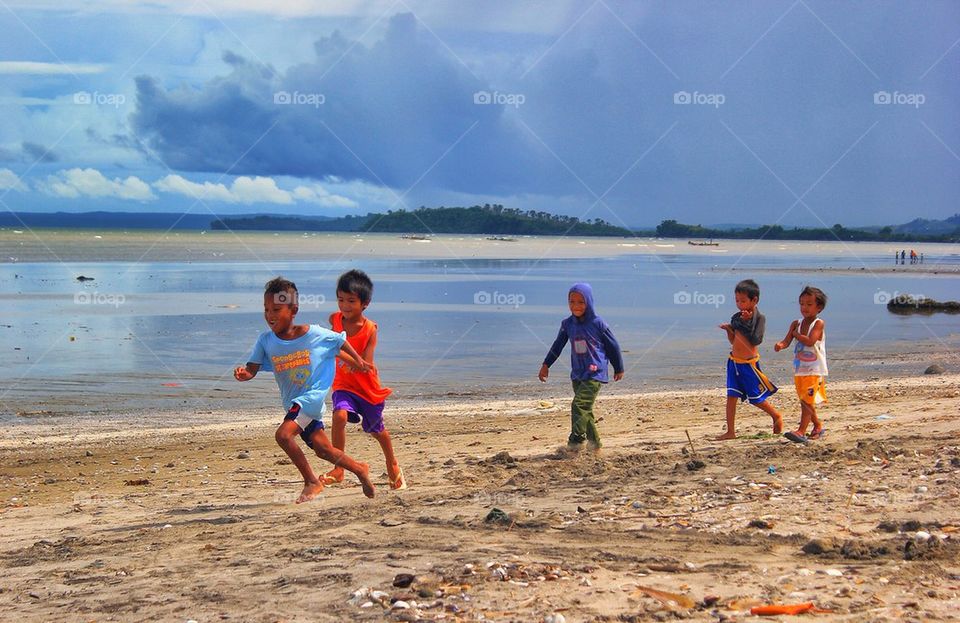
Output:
x=592 y=346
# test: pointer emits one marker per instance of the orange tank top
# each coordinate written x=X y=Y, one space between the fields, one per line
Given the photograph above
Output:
x=363 y=384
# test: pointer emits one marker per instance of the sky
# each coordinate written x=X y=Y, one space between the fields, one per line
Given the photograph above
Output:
x=799 y=113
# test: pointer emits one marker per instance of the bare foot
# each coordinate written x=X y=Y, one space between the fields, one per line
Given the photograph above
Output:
x=726 y=436
x=363 y=474
x=334 y=476
x=777 y=425
x=310 y=491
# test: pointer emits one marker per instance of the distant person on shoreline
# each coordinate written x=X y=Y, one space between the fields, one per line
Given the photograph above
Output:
x=809 y=362
x=903 y=256
x=592 y=348
x=358 y=396
x=745 y=379
x=302 y=359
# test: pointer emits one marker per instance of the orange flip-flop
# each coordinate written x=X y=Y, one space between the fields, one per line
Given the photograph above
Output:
x=399 y=481
x=327 y=479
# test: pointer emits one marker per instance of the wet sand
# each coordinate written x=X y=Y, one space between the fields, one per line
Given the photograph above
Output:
x=197 y=522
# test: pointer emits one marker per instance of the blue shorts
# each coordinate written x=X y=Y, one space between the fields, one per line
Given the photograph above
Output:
x=746 y=381
x=359 y=410
x=306 y=423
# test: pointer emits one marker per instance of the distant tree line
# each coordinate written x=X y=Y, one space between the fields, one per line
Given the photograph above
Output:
x=485 y=219
x=673 y=229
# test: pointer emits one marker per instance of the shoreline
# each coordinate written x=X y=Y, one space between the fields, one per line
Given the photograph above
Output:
x=110 y=522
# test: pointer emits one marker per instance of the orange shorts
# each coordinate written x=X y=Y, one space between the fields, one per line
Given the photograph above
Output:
x=811 y=389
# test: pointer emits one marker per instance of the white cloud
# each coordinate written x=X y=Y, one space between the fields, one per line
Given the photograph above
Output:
x=249 y=190
x=10 y=181
x=321 y=196
x=75 y=183
x=49 y=69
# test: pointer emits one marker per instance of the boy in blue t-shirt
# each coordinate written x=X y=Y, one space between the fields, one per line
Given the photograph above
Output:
x=302 y=358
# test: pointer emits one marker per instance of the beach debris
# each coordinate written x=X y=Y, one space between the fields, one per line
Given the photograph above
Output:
x=502 y=458
x=934 y=369
x=762 y=524
x=88 y=453
x=556 y=617
x=84 y=278
x=695 y=464
x=834 y=573
x=771 y=610
x=883 y=416
x=545 y=404
x=387 y=522
x=921 y=489
x=496 y=515
x=403 y=580
x=244 y=455
x=138 y=482
x=666 y=597
x=771 y=470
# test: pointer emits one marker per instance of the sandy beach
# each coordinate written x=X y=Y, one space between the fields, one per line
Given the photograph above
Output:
x=197 y=522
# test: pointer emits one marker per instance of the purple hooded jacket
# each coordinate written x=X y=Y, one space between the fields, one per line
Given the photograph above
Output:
x=592 y=343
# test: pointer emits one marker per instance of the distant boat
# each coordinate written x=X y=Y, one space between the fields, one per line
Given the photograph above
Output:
x=415 y=237
x=703 y=243
x=501 y=239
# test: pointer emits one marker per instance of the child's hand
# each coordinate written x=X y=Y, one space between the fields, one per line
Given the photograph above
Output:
x=544 y=373
x=242 y=374
x=778 y=347
x=363 y=367
x=617 y=376
x=726 y=326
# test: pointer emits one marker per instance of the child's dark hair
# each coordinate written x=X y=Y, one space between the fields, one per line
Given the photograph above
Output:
x=283 y=290
x=817 y=295
x=750 y=288
x=356 y=282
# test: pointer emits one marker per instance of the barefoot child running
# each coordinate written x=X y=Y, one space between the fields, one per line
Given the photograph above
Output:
x=302 y=360
x=745 y=379
x=357 y=394
x=809 y=362
x=592 y=346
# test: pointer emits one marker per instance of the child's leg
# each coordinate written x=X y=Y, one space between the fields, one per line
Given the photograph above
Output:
x=731 y=432
x=393 y=466
x=817 y=424
x=286 y=437
x=805 y=419
x=582 y=424
x=339 y=434
x=767 y=408
x=325 y=450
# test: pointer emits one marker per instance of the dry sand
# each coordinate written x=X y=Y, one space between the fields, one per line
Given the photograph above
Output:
x=196 y=523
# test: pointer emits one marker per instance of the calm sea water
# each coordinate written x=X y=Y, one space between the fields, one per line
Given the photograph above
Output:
x=161 y=335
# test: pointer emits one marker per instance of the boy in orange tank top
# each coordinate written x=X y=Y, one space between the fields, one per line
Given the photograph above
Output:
x=358 y=396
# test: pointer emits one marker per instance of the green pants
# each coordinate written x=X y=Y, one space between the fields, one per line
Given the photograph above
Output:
x=582 y=426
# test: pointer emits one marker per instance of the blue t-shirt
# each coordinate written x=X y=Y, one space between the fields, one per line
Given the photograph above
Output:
x=303 y=367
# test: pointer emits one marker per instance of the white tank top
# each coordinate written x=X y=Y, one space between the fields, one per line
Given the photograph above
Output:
x=810 y=360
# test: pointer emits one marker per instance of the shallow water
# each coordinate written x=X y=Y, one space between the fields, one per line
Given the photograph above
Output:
x=166 y=334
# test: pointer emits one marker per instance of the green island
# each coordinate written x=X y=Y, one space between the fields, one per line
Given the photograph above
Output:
x=496 y=220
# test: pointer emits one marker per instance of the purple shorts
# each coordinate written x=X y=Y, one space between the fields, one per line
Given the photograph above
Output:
x=359 y=410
